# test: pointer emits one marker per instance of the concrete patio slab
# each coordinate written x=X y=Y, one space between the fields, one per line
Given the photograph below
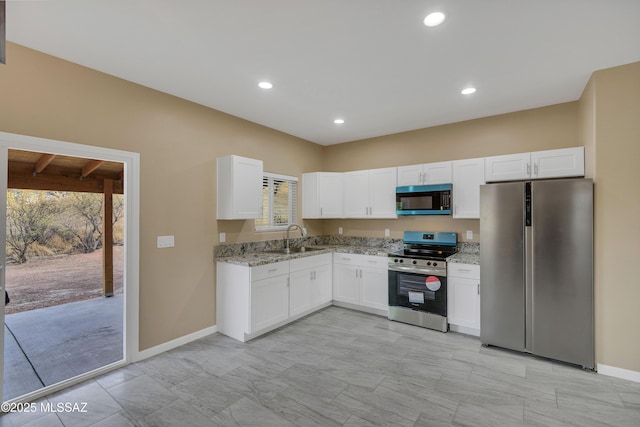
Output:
x=61 y=342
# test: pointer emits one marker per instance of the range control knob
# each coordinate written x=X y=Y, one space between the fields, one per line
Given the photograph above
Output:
x=429 y=263
x=395 y=260
x=415 y=262
x=435 y=264
x=401 y=260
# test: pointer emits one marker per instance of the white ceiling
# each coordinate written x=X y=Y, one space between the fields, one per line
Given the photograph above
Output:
x=371 y=62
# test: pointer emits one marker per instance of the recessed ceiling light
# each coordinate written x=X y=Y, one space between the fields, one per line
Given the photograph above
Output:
x=265 y=85
x=338 y=121
x=433 y=19
x=468 y=90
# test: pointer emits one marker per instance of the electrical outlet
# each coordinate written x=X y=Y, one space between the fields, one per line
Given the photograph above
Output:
x=339 y=230
x=387 y=233
x=469 y=234
x=304 y=231
x=165 y=242
x=222 y=237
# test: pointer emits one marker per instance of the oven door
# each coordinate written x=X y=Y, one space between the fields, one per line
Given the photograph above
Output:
x=420 y=292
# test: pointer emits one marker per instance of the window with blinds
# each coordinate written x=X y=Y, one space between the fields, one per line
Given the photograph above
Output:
x=279 y=202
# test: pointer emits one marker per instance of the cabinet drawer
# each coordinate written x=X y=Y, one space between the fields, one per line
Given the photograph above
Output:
x=269 y=270
x=361 y=260
x=309 y=262
x=467 y=271
x=374 y=261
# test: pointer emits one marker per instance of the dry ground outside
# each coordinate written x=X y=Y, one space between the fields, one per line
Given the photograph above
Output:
x=47 y=281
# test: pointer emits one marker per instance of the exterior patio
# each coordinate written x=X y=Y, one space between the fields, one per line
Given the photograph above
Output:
x=48 y=345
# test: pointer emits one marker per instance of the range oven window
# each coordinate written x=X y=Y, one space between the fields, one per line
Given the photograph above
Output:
x=410 y=285
x=418 y=292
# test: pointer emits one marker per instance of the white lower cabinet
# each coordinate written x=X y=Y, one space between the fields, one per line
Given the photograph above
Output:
x=361 y=282
x=309 y=284
x=463 y=298
x=269 y=302
x=251 y=301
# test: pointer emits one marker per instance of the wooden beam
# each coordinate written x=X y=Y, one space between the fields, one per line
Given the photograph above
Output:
x=21 y=177
x=107 y=239
x=43 y=162
x=91 y=166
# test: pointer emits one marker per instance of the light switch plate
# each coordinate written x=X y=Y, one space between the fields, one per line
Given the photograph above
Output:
x=339 y=230
x=469 y=234
x=222 y=237
x=387 y=233
x=166 y=242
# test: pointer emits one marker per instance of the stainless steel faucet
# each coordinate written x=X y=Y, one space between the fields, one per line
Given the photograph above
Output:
x=289 y=228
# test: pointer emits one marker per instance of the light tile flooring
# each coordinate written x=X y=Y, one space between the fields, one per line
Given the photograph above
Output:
x=340 y=367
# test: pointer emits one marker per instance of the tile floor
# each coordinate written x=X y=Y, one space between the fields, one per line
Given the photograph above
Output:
x=340 y=367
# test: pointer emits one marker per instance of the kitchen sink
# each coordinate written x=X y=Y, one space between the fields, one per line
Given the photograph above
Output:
x=298 y=250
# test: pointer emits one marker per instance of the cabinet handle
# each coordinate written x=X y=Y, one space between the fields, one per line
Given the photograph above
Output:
x=529 y=169
x=478 y=288
x=273 y=270
x=464 y=269
x=320 y=211
x=535 y=169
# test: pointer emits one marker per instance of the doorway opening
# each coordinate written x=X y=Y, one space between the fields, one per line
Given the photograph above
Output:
x=64 y=269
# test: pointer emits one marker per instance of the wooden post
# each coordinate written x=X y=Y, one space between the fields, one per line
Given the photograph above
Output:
x=107 y=239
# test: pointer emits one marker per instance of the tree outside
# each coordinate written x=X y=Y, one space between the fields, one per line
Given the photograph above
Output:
x=45 y=223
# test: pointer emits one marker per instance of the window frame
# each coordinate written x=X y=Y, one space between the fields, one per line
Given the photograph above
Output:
x=292 y=201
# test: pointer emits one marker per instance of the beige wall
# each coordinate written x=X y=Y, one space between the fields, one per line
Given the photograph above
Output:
x=614 y=94
x=531 y=130
x=178 y=142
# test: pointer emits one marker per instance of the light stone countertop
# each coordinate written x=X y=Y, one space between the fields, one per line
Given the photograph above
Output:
x=265 y=257
x=464 y=258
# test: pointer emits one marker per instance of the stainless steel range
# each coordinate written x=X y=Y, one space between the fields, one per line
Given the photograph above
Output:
x=418 y=279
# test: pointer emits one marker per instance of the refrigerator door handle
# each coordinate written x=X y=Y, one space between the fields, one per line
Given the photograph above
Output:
x=528 y=285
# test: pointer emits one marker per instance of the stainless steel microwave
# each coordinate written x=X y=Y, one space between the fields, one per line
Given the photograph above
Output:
x=423 y=200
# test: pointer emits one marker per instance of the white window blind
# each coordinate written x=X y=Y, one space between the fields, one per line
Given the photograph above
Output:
x=279 y=202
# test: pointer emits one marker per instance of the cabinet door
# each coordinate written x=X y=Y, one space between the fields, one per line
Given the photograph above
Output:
x=310 y=202
x=356 y=194
x=468 y=176
x=321 y=286
x=558 y=163
x=410 y=175
x=383 y=193
x=269 y=302
x=345 y=283
x=511 y=167
x=438 y=173
x=239 y=188
x=463 y=302
x=330 y=195
x=300 y=284
x=374 y=288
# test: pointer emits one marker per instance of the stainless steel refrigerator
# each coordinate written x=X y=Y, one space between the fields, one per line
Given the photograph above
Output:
x=536 y=268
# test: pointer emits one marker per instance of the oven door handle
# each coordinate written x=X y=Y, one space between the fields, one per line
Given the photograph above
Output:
x=410 y=269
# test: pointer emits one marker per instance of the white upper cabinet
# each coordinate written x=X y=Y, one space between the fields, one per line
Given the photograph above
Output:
x=239 y=188
x=559 y=163
x=370 y=193
x=468 y=176
x=322 y=195
x=510 y=167
x=425 y=174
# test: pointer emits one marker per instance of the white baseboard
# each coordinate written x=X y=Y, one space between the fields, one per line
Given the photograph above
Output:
x=625 y=374
x=153 y=351
x=464 y=330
